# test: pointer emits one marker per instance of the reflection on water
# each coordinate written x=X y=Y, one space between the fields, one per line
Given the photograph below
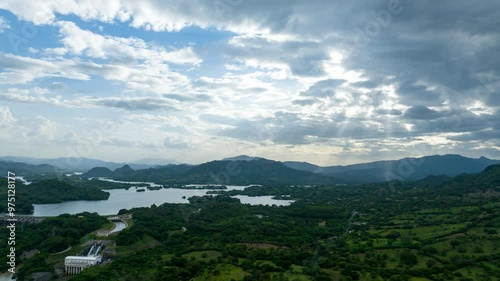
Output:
x=127 y=199
x=262 y=200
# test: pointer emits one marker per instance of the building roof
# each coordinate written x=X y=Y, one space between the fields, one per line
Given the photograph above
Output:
x=92 y=258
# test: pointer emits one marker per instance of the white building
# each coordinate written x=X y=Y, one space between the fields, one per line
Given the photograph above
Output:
x=75 y=264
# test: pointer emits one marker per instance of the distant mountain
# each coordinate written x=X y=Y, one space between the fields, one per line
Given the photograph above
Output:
x=255 y=170
x=123 y=171
x=242 y=158
x=403 y=169
x=156 y=162
x=78 y=164
x=98 y=172
x=162 y=173
x=488 y=178
x=28 y=170
x=260 y=171
x=150 y=174
x=485 y=184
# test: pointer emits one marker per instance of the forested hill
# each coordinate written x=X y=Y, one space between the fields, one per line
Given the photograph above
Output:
x=28 y=170
x=403 y=169
x=486 y=181
x=260 y=171
x=263 y=171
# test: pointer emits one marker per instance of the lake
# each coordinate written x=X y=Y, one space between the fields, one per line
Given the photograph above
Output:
x=5 y=276
x=127 y=199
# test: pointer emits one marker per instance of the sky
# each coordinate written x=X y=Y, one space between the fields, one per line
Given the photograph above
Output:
x=327 y=82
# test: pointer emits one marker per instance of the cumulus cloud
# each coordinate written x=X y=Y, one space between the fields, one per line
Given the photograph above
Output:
x=174 y=143
x=282 y=74
x=323 y=88
x=422 y=112
x=77 y=41
x=4 y=25
x=6 y=118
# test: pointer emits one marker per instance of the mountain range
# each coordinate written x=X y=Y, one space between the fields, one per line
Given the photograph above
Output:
x=255 y=170
x=402 y=169
x=241 y=172
x=81 y=164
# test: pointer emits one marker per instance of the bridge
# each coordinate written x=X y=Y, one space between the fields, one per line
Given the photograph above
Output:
x=5 y=218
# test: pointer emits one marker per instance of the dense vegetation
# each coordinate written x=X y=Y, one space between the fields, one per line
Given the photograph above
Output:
x=48 y=191
x=29 y=171
x=415 y=168
x=245 y=170
x=49 y=236
x=434 y=229
x=260 y=171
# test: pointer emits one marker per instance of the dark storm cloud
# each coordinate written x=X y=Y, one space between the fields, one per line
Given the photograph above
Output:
x=411 y=94
x=483 y=135
x=304 y=58
x=291 y=128
x=422 y=112
x=445 y=44
x=457 y=121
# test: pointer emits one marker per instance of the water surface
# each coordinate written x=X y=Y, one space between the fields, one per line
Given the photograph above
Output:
x=127 y=199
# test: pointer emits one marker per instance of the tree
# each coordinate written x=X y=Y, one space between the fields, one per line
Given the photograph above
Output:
x=408 y=258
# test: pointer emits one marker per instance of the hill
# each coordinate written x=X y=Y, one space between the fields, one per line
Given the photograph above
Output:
x=242 y=158
x=28 y=170
x=72 y=164
x=259 y=171
x=403 y=169
x=127 y=173
x=98 y=172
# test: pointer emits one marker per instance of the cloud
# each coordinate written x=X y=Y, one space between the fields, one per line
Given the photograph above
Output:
x=289 y=76
x=422 y=112
x=304 y=102
x=126 y=103
x=155 y=78
x=324 y=88
x=6 y=118
x=174 y=143
x=134 y=103
x=77 y=41
x=4 y=25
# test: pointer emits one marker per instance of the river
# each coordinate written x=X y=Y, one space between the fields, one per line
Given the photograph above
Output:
x=119 y=226
x=127 y=199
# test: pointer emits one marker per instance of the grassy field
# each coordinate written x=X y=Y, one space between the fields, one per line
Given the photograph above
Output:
x=222 y=272
x=203 y=255
x=465 y=236
x=145 y=242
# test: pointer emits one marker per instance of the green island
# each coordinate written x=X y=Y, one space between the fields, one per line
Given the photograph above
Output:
x=432 y=229
x=49 y=191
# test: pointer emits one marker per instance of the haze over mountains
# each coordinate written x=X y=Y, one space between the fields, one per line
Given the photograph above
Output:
x=255 y=170
x=84 y=164
x=403 y=169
